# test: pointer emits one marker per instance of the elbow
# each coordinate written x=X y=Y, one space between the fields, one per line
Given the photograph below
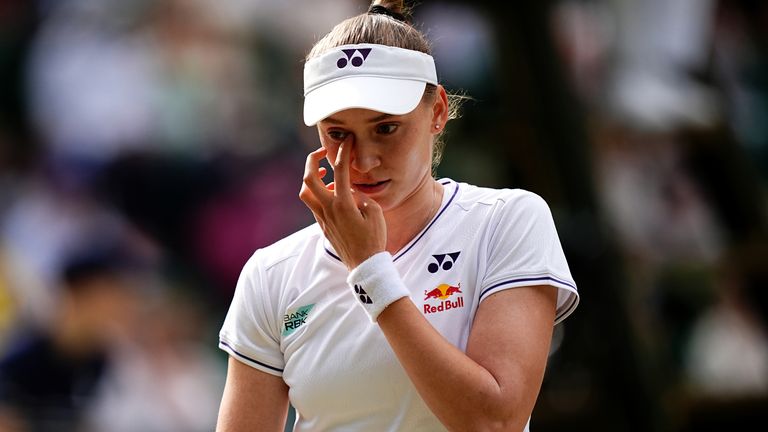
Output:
x=507 y=425
x=507 y=415
x=498 y=425
x=490 y=421
x=507 y=411
x=490 y=426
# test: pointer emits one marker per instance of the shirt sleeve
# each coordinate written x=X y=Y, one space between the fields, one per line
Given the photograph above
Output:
x=249 y=333
x=524 y=250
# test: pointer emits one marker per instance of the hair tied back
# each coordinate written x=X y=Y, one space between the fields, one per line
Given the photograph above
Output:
x=379 y=9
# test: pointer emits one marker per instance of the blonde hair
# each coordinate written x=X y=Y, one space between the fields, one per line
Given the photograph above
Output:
x=381 y=29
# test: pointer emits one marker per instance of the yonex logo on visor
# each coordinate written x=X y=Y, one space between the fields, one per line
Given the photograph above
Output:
x=356 y=61
x=380 y=78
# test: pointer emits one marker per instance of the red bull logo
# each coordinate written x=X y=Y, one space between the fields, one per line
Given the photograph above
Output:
x=443 y=292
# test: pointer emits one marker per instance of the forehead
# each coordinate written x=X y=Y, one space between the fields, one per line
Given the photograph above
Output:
x=356 y=115
x=364 y=116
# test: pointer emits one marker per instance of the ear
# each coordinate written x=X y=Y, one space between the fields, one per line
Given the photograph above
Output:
x=439 y=110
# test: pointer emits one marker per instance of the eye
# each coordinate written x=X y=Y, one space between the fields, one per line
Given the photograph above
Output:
x=386 y=128
x=337 y=135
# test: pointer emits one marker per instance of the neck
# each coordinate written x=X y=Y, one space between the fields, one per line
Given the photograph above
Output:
x=406 y=220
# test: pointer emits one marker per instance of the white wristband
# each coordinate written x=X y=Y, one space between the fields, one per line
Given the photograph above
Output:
x=377 y=284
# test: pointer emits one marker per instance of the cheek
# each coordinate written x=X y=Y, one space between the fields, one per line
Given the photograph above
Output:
x=420 y=147
x=411 y=155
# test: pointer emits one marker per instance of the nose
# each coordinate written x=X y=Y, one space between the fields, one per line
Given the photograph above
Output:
x=365 y=156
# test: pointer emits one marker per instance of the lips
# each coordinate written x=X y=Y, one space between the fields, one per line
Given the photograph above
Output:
x=372 y=187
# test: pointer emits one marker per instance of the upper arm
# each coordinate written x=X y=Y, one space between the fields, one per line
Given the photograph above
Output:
x=250 y=331
x=252 y=400
x=511 y=337
x=524 y=249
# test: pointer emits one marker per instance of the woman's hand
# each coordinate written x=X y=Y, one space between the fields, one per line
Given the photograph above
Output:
x=351 y=221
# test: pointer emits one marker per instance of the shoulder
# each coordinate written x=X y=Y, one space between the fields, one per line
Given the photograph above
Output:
x=270 y=269
x=285 y=250
x=511 y=202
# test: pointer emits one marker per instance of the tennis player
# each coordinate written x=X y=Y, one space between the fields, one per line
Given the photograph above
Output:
x=414 y=303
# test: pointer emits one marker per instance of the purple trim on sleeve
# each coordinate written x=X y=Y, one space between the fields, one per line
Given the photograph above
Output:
x=248 y=358
x=528 y=279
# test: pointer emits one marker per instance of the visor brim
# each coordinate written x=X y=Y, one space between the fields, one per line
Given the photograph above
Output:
x=387 y=95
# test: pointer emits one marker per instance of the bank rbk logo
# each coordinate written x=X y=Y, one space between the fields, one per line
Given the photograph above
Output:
x=296 y=318
x=354 y=56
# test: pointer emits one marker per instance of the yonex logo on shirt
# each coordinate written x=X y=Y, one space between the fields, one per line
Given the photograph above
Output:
x=355 y=60
x=296 y=318
x=442 y=263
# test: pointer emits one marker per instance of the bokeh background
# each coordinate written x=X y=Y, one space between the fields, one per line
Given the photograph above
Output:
x=148 y=147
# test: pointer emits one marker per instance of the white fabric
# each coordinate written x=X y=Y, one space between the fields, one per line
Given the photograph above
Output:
x=341 y=372
x=376 y=284
x=377 y=77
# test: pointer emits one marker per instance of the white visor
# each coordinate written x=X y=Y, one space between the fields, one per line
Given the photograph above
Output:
x=375 y=77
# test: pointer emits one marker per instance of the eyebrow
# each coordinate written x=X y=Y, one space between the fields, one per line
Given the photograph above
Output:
x=371 y=120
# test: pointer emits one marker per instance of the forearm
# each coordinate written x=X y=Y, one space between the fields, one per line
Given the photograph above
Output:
x=463 y=394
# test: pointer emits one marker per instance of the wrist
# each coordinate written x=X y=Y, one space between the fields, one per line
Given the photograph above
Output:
x=355 y=262
x=376 y=284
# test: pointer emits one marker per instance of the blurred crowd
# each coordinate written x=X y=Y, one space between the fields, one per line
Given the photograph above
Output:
x=148 y=147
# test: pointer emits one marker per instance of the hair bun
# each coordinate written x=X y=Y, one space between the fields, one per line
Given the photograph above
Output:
x=379 y=9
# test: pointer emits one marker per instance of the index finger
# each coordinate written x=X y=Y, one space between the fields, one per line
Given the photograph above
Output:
x=312 y=179
x=341 y=169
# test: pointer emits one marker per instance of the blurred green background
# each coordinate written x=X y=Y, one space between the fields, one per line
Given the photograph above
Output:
x=148 y=147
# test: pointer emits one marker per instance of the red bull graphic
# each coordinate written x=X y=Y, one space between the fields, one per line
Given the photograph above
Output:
x=443 y=292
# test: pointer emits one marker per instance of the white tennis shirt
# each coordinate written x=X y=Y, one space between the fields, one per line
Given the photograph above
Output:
x=293 y=314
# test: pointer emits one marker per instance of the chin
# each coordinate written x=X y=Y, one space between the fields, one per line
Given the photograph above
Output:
x=385 y=202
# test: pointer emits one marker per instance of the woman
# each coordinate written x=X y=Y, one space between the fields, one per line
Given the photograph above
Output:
x=395 y=311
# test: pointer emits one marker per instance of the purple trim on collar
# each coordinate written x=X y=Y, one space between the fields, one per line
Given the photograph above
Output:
x=444 y=183
x=455 y=191
x=332 y=254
